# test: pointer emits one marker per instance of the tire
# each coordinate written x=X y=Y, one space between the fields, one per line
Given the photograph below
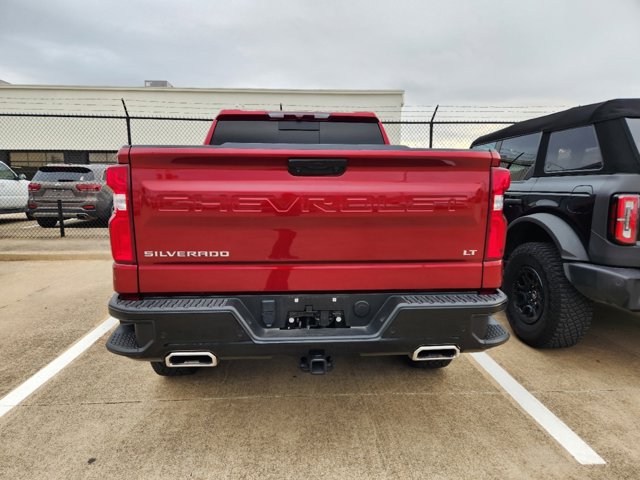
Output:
x=161 y=369
x=544 y=309
x=29 y=216
x=47 y=222
x=432 y=365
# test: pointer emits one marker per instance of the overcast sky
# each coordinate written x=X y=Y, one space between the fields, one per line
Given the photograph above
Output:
x=452 y=52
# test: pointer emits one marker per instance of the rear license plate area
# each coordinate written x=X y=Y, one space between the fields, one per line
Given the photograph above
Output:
x=310 y=318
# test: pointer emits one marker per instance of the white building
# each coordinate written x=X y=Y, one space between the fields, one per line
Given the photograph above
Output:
x=51 y=134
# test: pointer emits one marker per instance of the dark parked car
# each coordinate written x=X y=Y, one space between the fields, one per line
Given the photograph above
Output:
x=573 y=218
x=81 y=189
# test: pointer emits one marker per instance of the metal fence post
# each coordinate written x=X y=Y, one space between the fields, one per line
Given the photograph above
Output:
x=128 y=120
x=433 y=117
x=60 y=218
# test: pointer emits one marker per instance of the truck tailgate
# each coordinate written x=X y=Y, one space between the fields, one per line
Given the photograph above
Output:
x=216 y=219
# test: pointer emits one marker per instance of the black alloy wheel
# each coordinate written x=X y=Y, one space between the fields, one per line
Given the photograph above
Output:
x=529 y=295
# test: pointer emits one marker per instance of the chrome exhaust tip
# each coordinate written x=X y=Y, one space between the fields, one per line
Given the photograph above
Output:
x=191 y=359
x=435 y=352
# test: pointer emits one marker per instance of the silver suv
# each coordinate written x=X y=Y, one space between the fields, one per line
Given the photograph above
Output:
x=81 y=189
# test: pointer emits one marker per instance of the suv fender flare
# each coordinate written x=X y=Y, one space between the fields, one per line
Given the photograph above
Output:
x=564 y=237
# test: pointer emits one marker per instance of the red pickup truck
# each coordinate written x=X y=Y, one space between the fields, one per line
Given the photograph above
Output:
x=304 y=234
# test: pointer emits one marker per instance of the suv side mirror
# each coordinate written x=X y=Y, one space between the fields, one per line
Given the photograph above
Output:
x=22 y=176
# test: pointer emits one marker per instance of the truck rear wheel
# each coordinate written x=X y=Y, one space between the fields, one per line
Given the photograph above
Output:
x=161 y=369
x=544 y=309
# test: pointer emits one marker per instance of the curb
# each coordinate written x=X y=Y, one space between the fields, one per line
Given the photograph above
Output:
x=53 y=256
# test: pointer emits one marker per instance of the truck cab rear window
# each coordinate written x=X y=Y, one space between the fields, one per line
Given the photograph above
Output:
x=284 y=131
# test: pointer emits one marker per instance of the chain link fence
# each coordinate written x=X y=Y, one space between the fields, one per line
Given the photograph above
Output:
x=52 y=166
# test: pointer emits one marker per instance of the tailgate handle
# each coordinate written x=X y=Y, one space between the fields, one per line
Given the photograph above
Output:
x=317 y=167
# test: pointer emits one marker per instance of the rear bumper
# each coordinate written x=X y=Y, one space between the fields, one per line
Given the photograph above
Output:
x=614 y=285
x=237 y=327
x=48 y=208
x=51 y=211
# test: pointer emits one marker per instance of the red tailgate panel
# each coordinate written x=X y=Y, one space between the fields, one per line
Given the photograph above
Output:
x=212 y=219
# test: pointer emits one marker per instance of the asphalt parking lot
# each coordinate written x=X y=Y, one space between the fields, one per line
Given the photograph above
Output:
x=108 y=417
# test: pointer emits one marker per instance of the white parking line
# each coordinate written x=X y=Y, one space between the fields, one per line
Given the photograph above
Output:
x=555 y=427
x=17 y=395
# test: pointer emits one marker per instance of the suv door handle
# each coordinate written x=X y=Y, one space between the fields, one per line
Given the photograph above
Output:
x=513 y=201
x=582 y=189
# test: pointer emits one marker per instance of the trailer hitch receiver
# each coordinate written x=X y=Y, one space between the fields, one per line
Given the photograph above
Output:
x=316 y=362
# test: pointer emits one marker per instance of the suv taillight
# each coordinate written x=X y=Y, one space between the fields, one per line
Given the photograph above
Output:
x=34 y=187
x=89 y=187
x=120 y=223
x=623 y=219
x=500 y=181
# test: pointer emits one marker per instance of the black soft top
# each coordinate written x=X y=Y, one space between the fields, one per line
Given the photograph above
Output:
x=574 y=117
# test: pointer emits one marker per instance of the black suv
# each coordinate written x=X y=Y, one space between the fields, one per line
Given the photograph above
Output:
x=573 y=218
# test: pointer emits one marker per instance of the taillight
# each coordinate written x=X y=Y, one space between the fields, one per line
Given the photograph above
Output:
x=120 y=223
x=34 y=187
x=496 y=237
x=624 y=218
x=89 y=187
